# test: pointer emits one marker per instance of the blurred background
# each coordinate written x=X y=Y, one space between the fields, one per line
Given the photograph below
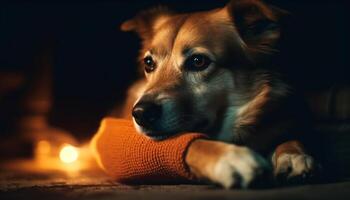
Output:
x=65 y=65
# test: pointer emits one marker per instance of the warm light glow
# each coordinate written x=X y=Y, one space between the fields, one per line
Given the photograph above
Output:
x=43 y=148
x=69 y=154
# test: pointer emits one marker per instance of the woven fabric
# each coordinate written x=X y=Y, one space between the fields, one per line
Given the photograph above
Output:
x=131 y=157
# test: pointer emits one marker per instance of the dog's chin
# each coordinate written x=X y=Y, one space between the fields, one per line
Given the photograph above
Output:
x=156 y=135
x=162 y=134
x=153 y=134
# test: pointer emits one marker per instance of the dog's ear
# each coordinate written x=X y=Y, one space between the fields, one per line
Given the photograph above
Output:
x=257 y=24
x=147 y=21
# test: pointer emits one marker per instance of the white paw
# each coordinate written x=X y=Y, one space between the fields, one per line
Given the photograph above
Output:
x=294 y=167
x=238 y=167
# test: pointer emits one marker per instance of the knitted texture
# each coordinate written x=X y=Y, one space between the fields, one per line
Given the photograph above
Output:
x=130 y=157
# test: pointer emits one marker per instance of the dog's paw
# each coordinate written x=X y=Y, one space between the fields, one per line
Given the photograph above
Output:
x=294 y=168
x=239 y=167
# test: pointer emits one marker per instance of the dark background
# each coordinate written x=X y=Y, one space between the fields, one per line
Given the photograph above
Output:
x=93 y=62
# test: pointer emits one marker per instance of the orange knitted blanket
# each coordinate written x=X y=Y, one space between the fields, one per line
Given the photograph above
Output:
x=130 y=157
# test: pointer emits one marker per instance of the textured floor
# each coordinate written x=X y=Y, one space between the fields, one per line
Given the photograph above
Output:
x=24 y=184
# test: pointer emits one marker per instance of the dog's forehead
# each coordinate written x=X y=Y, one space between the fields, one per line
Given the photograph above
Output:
x=166 y=33
x=203 y=29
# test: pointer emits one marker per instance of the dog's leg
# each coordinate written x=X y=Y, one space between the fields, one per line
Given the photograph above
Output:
x=226 y=164
x=292 y=164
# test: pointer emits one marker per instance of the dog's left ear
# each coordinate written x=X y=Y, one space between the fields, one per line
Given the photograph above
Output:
x=257 y=24
x=147 y=21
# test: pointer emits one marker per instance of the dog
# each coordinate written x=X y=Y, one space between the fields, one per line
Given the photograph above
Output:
x=210 y=72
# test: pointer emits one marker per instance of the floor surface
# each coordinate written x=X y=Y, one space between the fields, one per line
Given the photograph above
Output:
x=30 y=184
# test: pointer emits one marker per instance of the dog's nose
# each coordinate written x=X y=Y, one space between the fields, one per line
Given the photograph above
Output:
x=146 y=113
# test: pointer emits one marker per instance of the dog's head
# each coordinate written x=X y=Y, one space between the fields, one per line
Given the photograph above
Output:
x=189 y=62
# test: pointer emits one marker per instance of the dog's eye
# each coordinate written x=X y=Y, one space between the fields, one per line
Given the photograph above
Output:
x=197 y=62
x=149 y=64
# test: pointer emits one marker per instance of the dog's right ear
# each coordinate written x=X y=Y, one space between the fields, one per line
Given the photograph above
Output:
x=257 y=23
x=147 y=21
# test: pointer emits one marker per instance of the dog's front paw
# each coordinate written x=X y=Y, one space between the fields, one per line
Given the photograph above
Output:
x=238 y=167
x=294 y=168
x=226 y=164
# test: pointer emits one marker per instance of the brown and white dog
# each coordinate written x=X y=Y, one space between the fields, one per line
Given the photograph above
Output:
x=209 y=72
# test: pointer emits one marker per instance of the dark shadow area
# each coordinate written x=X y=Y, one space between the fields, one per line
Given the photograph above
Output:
x=93 y=62
x=67 y=64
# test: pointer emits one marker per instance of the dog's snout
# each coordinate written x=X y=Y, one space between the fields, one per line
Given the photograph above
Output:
x=146 y=113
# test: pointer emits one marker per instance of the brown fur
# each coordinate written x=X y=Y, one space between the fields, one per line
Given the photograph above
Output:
x=202 y=159
x=233 y=86
x=249 y=113
x=289 y=147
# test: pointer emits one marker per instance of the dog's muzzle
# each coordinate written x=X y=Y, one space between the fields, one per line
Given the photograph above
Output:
x=147 y=113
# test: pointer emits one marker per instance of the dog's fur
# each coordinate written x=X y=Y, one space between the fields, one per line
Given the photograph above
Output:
x=238 y=98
